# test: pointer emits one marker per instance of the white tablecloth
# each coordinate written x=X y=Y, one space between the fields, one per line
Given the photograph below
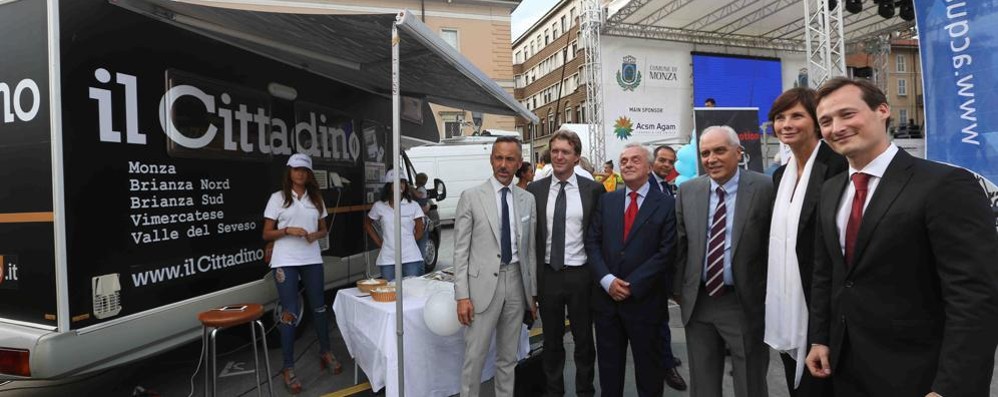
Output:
x=432 y=362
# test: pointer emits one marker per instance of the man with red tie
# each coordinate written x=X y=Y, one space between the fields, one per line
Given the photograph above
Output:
x=630 y=249
x=904 y=299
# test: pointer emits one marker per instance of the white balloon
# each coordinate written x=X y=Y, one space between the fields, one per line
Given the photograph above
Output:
x=440 y=314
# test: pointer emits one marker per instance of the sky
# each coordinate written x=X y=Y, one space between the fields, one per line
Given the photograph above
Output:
x=527 y=13
x=530 y=11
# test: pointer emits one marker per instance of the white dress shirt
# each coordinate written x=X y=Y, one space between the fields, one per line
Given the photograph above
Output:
x=876 y=170
x=497 y=188
x=575 y=253
x=642 y=193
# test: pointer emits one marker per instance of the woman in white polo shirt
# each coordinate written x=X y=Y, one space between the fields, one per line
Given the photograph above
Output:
x=383 y=212
x=295 y=219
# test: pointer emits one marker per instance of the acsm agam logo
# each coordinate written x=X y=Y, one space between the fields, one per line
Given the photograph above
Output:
x=199 y=115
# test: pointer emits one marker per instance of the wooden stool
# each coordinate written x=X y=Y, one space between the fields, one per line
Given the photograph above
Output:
x=226 y=317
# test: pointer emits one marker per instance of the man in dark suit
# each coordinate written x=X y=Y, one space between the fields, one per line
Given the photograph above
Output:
x=721 y=280
x=564 y=204
x=791 y=255
x=629 y=244
x=663 y=170
x=904 y=299
x=661 y=178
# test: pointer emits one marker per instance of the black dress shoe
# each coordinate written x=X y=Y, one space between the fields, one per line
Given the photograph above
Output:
x=674 y=379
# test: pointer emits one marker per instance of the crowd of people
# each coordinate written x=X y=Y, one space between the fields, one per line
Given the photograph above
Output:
x=870 y=272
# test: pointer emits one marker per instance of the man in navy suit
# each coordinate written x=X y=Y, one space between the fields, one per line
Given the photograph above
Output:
x=630 y=249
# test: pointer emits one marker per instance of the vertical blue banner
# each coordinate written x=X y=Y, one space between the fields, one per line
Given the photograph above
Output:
x=960 y=75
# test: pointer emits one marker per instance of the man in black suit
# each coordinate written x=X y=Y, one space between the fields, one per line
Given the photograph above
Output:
x=629 y=244
x=564 y=202
x=662 y=167
x=904 y=299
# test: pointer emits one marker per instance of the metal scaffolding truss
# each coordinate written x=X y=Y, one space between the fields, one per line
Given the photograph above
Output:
x=823 y=40
x=762 y=24
x=663 y=12
x=689 y=36
x=627 y=10
x=879 y=50
x=758 y=15
x=590 y=24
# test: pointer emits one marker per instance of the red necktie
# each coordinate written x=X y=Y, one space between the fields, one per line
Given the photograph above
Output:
x=860 y=181
x=631 y=213
x=715 y=247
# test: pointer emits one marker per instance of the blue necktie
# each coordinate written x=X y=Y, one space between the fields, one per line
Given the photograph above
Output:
x=507 y=244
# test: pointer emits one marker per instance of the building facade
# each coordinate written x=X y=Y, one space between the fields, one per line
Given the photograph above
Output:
x=547 y=72
x=904 y=84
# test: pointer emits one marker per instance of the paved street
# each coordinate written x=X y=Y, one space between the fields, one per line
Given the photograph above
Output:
x=170 y=374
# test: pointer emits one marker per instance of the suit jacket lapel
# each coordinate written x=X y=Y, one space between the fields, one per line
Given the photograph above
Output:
x=585 y=193
x=544 y=188
x=811 y=196
x=888 y=189
x=743 y=200
x=650 y=204
x=828 y=213
x=489 y=201
x=614 y=201
x=699 y=207
x=522 y=209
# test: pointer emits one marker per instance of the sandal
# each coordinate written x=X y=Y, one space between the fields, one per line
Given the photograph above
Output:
x=291 y=381
x=328 y=360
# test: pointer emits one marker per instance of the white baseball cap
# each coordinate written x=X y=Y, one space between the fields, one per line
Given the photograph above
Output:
x=300 y=160
x=390 y=177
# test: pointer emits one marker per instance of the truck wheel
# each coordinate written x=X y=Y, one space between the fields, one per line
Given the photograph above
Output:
x=430 y=257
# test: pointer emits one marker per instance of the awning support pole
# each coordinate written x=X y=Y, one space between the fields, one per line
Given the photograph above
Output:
x=397 y=197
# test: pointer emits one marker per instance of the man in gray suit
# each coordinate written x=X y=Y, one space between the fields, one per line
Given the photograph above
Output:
x=494 y=268
x=721 y=282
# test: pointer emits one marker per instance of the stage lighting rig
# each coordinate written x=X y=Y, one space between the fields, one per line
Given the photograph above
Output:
x=907 y=11
x=854 y=6
x=832 y=4
x=886 y=8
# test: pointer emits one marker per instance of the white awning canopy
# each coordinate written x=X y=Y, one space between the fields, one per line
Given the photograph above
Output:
x=351 y=48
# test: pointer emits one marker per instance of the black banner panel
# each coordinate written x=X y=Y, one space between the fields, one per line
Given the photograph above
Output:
x=745 y=122
x=173 y=143
x=27 y=264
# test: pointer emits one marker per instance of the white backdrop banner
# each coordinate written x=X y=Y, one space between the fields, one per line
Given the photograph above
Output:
x=647 y=91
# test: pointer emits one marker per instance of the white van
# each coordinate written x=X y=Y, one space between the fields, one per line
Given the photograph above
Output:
x=460 y=163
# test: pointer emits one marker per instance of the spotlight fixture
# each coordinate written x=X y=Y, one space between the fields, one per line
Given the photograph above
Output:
x=854 y=6
x=832 y=4
x=907 y=11
x=886 y=9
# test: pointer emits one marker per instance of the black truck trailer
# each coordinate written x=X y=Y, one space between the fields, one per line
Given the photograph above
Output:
x=139 y=142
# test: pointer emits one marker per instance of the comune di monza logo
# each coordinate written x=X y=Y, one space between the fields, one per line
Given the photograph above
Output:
x=628 y=77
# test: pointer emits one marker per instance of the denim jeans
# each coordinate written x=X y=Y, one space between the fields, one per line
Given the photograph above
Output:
x=408 y=269
x=287 y=279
